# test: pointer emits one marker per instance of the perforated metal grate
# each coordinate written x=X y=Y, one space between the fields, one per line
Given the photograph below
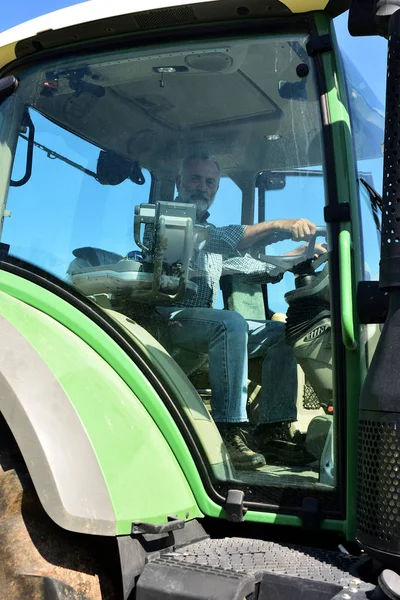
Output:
x=378 y=481
x=166 y=17
x=310 y=398
x=258 y=556
x=391 y=199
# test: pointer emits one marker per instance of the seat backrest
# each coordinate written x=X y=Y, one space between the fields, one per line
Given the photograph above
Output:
x=244 y=297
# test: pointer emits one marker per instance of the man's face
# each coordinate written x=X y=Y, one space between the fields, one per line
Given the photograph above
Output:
x=198 y=184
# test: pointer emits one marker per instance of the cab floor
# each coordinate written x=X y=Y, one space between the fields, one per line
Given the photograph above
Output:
x=281 y=475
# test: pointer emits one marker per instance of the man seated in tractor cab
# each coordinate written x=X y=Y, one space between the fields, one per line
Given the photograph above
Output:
x=226 y=337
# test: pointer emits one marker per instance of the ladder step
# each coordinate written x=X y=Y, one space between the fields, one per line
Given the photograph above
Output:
x=168 y=577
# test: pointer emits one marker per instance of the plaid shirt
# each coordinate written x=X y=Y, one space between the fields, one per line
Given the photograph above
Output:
x=219 y=256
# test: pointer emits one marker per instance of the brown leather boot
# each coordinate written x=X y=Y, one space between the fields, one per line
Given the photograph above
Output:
x=241 y=455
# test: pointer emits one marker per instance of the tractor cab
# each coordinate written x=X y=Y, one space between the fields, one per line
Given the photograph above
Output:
x=101 y=224
x=99 y=144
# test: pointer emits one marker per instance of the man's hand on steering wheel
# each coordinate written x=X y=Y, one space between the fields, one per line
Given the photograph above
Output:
x=297 y=229
x=302 y=250
x=301 y=257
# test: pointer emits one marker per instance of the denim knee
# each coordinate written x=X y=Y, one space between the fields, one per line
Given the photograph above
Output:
x=233 y=322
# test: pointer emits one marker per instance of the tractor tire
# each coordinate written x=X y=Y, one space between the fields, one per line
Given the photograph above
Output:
x=38 y=559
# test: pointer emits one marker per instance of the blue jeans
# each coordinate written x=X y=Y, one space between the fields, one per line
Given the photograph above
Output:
x=229 y=340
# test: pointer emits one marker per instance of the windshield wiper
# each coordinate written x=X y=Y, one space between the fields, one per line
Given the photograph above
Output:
x=54 y=155
x=130 y=169
x=376 y=202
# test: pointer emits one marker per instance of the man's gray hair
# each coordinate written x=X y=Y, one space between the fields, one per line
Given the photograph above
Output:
x=199 y=156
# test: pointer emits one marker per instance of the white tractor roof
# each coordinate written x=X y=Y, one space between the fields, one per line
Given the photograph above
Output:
x=92 y=10
x=21 y=40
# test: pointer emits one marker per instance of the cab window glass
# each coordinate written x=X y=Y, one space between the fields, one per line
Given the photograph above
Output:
x=367 y=119
x=63 y=206
x=144 y=194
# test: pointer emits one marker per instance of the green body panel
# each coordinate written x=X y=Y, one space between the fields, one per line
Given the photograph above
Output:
x=142 y=476
x=93 y=336
x=350 y=270
x=109 y=350
x=292 y=521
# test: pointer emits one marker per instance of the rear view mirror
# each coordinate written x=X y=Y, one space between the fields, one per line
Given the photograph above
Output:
x=113 y=169
x=270 y=180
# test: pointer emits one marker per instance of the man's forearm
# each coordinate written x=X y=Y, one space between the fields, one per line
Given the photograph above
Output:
x=295 y=229
x=254 y=234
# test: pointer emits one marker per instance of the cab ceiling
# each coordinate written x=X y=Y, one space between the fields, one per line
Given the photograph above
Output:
x=220 y=99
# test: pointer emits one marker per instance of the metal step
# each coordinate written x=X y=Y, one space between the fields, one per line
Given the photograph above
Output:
x=169 y=577
x=238 y=568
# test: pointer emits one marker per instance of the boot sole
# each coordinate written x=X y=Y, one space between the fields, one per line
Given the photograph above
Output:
x=249 y=466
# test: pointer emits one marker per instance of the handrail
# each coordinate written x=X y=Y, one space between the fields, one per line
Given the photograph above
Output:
x=346 y=296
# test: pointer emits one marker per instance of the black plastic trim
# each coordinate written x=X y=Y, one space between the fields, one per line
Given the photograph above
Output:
x=337 y=213
x=198 y=32
x=311 y=516
x=336 y=7
x=27 y=122
x=8 y=86
x=173 y=524
x=372 y=303
x=145 y=20
x=318 y=44
x=4 y=250
x=234 y=507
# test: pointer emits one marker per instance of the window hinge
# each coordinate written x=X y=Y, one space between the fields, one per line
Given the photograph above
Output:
x=234 y=508
x=4 y=249
x=318 y=44
x=172 y=525
x=337 y=213
x=311 y=516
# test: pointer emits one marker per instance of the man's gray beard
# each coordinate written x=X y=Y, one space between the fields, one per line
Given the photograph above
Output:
x=202 y=205
x=201 y=208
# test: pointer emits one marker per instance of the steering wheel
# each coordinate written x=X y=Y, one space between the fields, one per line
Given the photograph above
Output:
x=287 y=263
x=319 y=232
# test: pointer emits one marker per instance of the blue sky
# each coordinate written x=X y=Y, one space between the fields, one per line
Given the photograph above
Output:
x=20 y=11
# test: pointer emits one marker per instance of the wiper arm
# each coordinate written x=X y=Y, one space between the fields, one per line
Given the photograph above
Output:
x=54 y=155
x=376 y=201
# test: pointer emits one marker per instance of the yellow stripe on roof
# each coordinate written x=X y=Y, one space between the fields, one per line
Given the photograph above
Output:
x=7 y=54
x=300 y=6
